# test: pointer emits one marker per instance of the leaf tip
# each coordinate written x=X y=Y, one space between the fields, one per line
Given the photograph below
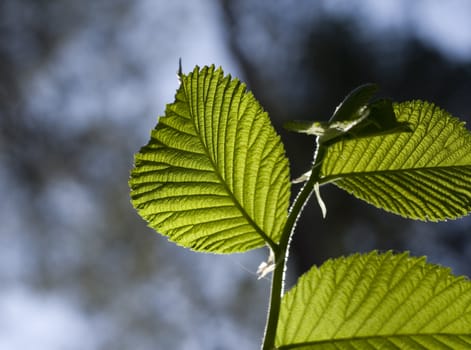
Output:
x=179 y=71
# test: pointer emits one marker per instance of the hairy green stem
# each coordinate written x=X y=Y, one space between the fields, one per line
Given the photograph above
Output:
x=282 y=251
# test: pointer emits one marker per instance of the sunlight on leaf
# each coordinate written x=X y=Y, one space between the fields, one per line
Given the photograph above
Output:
x=377 y=301
x=424 y=174
x=214 y=176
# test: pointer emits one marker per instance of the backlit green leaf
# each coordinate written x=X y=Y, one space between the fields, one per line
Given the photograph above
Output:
x=377 y=301
x=424 y=174
x=214 y=175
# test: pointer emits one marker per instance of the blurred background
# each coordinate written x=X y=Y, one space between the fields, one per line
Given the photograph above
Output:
x=81 y=86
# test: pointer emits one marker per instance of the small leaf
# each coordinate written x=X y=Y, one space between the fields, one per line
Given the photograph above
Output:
x=353 y=103
x=355 y=117
x=381 y=120
x=376 y=301
x=214 y=175
x=424 y=174
x=346 y=114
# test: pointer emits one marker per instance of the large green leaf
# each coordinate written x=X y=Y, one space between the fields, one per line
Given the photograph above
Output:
x=377 y=301
x=424 y=174
x=214 y=175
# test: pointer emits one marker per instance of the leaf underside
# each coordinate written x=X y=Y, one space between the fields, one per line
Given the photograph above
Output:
x=377 y=301
x=214 y=176
x=348 y=109
x=424 y=174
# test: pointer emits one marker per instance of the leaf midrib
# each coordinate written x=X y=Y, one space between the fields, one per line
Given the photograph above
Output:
x=238 y=205
x=365 y=338
x=335 y=177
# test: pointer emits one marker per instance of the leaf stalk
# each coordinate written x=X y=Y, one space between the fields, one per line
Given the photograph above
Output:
x=281 y=251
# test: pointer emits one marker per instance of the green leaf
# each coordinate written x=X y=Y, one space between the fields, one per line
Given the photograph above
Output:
x=214 y=176
x=424 y=174
x=380 y=120
x=377 y=301
x=346 y=115
x=349 y=109
x=354 y=118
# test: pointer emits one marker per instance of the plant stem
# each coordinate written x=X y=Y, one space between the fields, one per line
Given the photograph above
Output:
x=282 y=251
x=275 y=301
